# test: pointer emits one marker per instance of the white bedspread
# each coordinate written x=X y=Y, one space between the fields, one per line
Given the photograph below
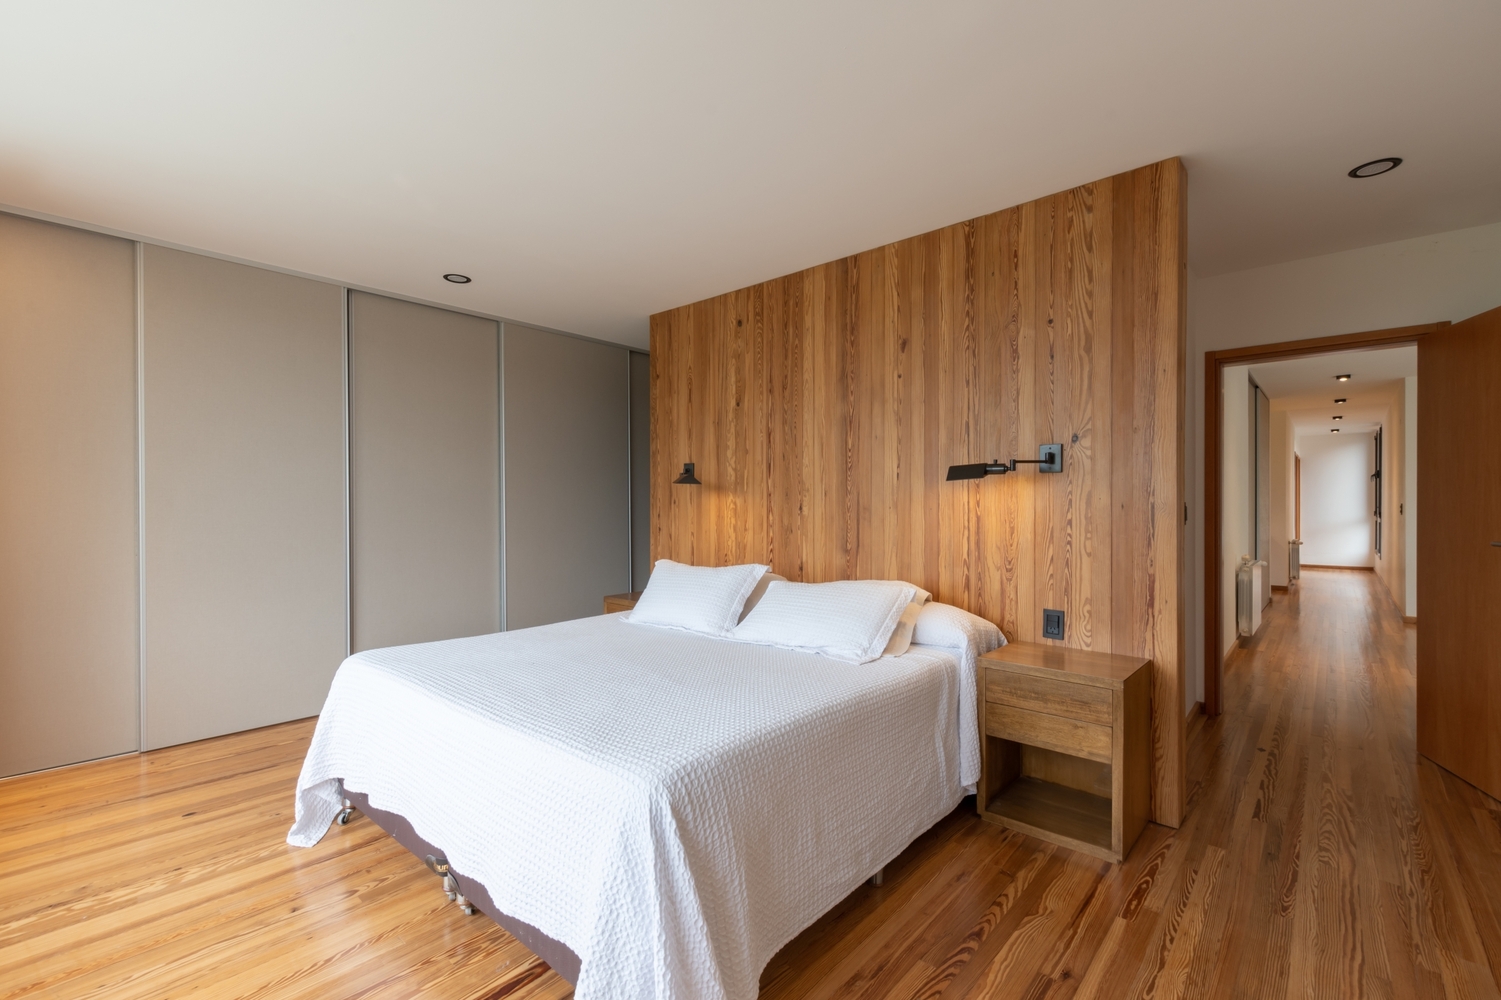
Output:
x=672 y=807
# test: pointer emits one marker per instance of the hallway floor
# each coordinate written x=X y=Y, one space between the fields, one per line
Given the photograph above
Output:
x=1320 y=858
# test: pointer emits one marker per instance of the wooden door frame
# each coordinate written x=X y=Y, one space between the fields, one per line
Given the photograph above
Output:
x=1215 y=363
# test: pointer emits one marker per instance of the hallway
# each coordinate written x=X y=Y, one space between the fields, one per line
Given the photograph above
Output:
x=1351 y=867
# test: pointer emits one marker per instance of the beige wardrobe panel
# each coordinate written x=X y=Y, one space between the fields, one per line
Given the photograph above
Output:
x=424 y=473
x=640 y=469
x=567 y=473
x=244 y=495
x=69 y=651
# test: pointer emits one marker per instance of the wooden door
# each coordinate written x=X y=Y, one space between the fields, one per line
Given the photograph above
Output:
x=1459 y=550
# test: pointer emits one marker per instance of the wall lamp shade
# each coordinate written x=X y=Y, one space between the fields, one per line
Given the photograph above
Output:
x=1049 y=459
x=687 y=478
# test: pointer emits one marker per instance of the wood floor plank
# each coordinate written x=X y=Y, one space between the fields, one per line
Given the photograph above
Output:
x=1320 y=858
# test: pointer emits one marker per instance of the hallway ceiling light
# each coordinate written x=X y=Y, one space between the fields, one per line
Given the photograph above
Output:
x=1341 y=400
x=1376 y=168
x=458 y=279
x=1337 y=416
x=1342 y=378
x=1334 y=430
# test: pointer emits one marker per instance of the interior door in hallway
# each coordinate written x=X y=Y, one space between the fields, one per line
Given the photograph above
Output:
x=1459 y=550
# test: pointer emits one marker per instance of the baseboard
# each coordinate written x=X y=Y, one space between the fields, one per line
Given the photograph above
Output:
x=1276 y=588
x=1196 y=709
x=1409 y=619
x=1358 y=569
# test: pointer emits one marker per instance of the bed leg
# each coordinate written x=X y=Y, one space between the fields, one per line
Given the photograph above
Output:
x=879 y=878
x=346 y=813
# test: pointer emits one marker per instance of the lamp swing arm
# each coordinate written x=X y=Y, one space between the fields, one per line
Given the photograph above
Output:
x=1050 y=459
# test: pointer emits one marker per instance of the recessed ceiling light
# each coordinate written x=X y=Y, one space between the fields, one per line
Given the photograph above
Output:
x=1334 y=430
x=1341 y=401
x=1337 y=416
x=1377 y=167
x=457 y=279
x=1342 y=378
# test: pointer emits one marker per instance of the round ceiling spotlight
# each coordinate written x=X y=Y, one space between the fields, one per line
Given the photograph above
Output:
x=458 y=279
x=1334 y=430
x=1342 y=378
x=1341 y=400
x=1377 y=167
x=1337 y=417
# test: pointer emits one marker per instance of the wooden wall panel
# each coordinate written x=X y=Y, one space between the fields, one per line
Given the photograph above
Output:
x=822 y=410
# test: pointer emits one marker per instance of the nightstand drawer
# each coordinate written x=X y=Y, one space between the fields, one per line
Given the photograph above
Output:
x=1051 y=732
x=1049 y=696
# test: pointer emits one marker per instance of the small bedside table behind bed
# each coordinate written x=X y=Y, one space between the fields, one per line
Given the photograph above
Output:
x=621 y=602
x=1067 y=748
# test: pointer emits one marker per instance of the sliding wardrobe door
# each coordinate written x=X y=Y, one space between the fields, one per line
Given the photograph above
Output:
x=244 y=496
x=424 y=473
x=68 y=598
x=567 y=473
x=640 y=469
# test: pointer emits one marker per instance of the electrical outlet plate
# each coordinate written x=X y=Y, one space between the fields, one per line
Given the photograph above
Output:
x=1052 y=457
x=1052 y=624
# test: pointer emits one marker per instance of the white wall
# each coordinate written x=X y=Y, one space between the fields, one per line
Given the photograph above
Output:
x=1281 y=493
x=1239 y=505
x=1410 y=494
x=1446 y=276
x=1337 y=499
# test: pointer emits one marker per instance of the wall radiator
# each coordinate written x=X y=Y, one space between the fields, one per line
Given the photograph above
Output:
x=1248 y=595
x=1294 y=559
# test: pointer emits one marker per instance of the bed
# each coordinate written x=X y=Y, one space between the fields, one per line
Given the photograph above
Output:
x=654 y=812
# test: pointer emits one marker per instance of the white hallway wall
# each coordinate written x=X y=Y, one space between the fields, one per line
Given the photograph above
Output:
x=1337 y=499
x=1446 y=276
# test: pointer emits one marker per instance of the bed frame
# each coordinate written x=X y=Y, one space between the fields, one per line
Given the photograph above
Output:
x=469 y=891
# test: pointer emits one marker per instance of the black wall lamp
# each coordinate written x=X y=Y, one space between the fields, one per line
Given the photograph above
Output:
x=1049 y=459
x=687 y=478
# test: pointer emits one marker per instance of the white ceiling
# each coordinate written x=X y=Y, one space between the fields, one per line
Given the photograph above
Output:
x=1316 y=374
x=591 y=163
x=1306 y=387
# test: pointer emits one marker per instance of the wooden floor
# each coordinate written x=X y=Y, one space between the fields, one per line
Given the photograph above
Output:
x=1320 y=858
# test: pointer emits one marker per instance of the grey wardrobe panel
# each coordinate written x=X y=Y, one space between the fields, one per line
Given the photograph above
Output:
x=424 y=473
x=244 y=543
x=567 y=475
x=69 y=608
x=640 y=469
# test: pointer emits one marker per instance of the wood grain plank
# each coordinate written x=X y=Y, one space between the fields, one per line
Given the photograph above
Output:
x=824 y=408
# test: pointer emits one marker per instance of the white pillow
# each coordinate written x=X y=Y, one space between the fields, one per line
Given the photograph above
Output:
x=849 y=619
x=901 y=636
x=760 y=592
x=703 y=599
x=945 y=625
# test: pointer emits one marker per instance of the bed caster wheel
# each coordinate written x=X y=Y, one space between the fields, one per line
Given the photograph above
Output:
x=345 y=814
x=466 y=906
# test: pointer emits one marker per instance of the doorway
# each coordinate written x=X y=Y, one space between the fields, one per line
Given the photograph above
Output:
x=1219 y=585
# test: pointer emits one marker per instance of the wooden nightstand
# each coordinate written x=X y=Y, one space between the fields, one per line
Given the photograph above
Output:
x=621 y=602
x=1066 y=754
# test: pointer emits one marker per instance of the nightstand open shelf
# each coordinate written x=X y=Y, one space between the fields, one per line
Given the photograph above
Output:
x=1065 y=752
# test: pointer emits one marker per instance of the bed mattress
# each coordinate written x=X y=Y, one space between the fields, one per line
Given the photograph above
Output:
x=672 y=808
